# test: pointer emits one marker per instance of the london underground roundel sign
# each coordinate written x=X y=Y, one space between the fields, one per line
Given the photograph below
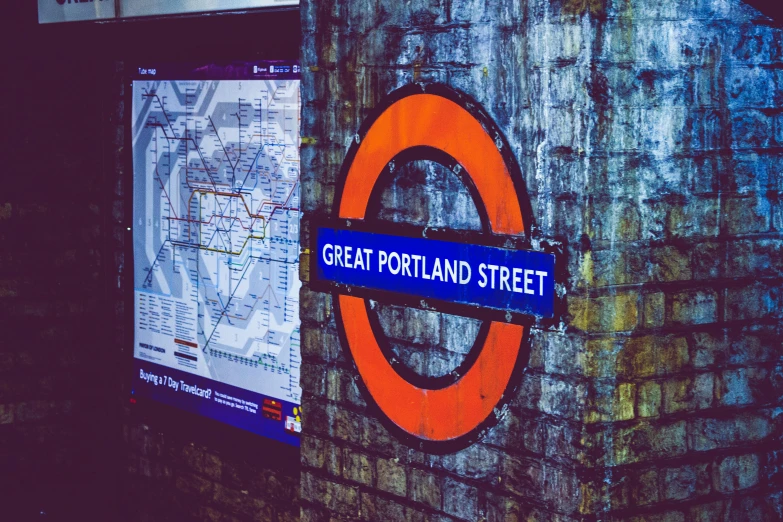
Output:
x=487 y=275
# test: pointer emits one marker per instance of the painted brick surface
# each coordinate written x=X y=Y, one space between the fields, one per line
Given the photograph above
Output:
x=647 y=132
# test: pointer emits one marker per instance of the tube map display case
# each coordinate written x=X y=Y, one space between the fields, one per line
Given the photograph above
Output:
x=216 y=197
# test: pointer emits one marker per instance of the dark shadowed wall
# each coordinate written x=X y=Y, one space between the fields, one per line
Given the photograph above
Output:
x=71 y=448
x=58 y=429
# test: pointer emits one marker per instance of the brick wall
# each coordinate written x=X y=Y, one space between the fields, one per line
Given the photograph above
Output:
x=171 y=477
x=648 y=135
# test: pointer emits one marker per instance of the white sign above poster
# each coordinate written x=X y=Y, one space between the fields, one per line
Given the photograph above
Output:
x=131 y=8
x=51 y=11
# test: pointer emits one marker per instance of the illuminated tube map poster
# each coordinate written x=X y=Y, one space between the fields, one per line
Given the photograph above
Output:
x=216 y=199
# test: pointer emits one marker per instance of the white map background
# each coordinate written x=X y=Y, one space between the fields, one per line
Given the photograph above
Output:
x=216 y=230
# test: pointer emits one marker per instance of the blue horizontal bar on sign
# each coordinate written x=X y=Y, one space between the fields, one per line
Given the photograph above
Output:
x=520 y=281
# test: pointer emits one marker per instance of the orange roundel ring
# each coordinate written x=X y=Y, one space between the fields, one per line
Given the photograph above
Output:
x=435 y=118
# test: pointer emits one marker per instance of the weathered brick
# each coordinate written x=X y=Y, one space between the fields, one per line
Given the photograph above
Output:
x=754 y=258
x=193 y=484
x=696 y=218
x=649 y=401
x=708 y=434
x=646 y=488
x=647 y=87
x=378 y=509
x=425 y=488
x=319 y=197
x=288 y=516
x=685 y=482
x=635 y=129
x=742 y=386
x=604 y=314
x=410 y=324
x=311 y=378
x=601 y=357
x=457 y=333
x=652 y=355
x=304 y=265
x=709 y=260
x=375 y=435
x=212 y=466
x=319 y=454
x=312 y=514
x=321 y=344
x=460 y=500
x=560 y=487
x=694 y=307
x=478 y=462
x=644 y=442
x=751 y=302
x=517 y=476
x=752 y=345
x=624 y=401
x=345 y=424
x=777 y=215
x=315 y=306
x=428 y=360
x=392 y=477
x=666 y=516
x=208 y=514
x=513 y=429
x=561 y=398
x=619 y=267
x=751 y=128
x=502 y=508
x=619 y=221
x=612 y=403
x=271 y=484
x=6 y=413
x=734 y=473
x=341 y=387
x=338 y=498
x=616 y=494
x=708 y=348
x=654 y=310
x=688 y=393
x=671 y=264
x=754 y=507
x=357 y=467
x=747 y=215
x=240 y=502
x=558 y=354
x=564 y=443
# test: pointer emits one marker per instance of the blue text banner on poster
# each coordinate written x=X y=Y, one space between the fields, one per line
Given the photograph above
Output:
x=519 y=281
x=247 y=410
